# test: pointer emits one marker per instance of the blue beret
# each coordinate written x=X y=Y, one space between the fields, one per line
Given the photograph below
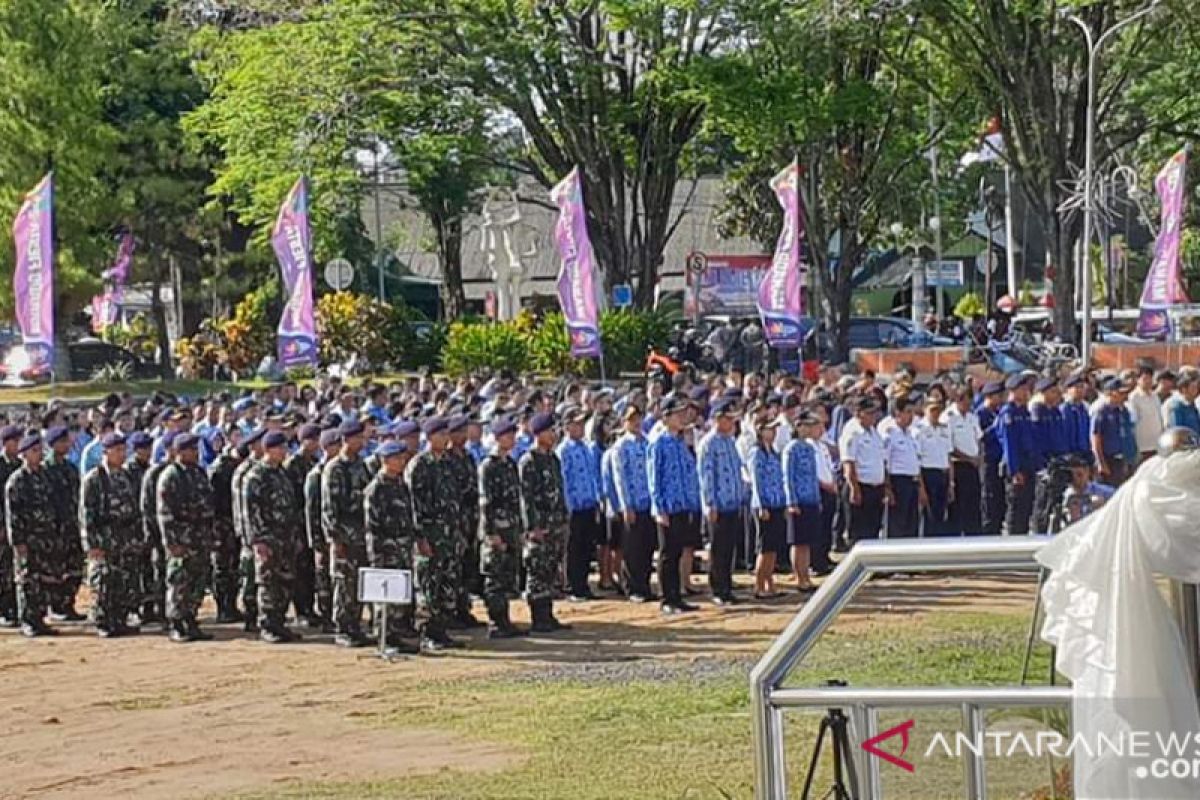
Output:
x=502 y=425
x=406 y=427
x=29 y=442
x=1045 y=384
x=275 y=439
x=1112 y=384
x=330 y=437
x=994 y=387
x=112 y=440
x=350 y=428
x=10 y=432
x=1016 y=381
x=389 y=449
x=699 y=394
x=187 y=441
x=55 y=435
x=540 y=423
x=433 y=425
x=254 y=435
x=308 y=431
x=456 y=423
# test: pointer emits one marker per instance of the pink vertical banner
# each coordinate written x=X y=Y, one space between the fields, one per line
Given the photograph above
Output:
x=1163 y=287
x=576 y=277
x=106 y=307
x=33 y=279
x=780 y=298
x=292 y=242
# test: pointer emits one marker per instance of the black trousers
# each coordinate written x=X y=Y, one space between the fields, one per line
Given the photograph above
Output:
x=995 y=500
x=1020 y=505
x=584 y=535
x=903 y=515
x=723 y=535
x=638 y=543
x=304 y=587
x=937 y=486
x=964 y=511
x=680 y=529
x=867 y=518
x=819 y=553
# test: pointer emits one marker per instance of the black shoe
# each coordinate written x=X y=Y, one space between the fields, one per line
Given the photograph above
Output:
x=429 y=645
x=128 y=630
x=686 y=606
x=229 y=615
x=9 y=621
x=273 y=635
x=197 y=634
x=822 y=572
x=720 y=600
x=314 y=622
x=108 y=631
x=250 y=626
x=355 y=639
x=637 y=598
x=498 y=632
x=467 y=620
x=70 y=615
x=399 y=645
x=181 y=633
x=150 y=614
x=33 y=630
x=669 y=610
x=582 y=598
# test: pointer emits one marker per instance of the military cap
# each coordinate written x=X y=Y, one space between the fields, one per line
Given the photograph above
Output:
x=1073 y=380
x=9 y=432
x=698 y=394
x=55 y=435
x=502 y=425
x=991 y=388
x=187 y=441
x=29 y=442
x=1016 y=381
x=541 y=423
x=389 y=449
x=275 y=439
x=671 y=405
x=456 y=423
x=254 y=435
x=1112 y=384
x=724 y=407
x=111 y=440
x=406 y=427
x=308 y=432
x=330 y=437
x=1045 y=384
x=867 y=404
x=433 y=425
x=350 y=427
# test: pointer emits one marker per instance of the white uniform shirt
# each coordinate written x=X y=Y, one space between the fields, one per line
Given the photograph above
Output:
x=851 y=429
x=901 y=452
x=934 y=444
x=824 y=460
x=865 y=450
x=965 y=433
x=1146 y=410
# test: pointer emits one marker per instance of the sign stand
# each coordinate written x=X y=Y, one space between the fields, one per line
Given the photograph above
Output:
x=383 y=588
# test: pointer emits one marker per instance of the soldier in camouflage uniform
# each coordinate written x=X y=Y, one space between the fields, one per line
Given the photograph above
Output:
x=253 y=443
x=10 y=462
x=383 y=435
x=154 y=560
x=112 y=537
x=342 y=483
x=67 y=559
x=185 y=515
x=500 y=529
x=439 y=545
x=32 y=527
x=331 y=444
x=546 y=523
x=297 y=466
x=272 y=526
x=227 y=547
x=391 y=528
x=466 y=481
x=136 y=468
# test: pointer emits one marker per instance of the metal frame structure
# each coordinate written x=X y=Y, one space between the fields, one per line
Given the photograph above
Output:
x=769 y=699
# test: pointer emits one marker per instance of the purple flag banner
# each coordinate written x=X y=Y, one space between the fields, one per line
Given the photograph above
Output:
x=106 y=307
x=292 y=242
x=33 y=279
x=780 y=301
x=1163 y=287
x=576 y=290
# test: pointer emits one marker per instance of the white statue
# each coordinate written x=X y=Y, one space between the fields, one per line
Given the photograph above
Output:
x=508 y=273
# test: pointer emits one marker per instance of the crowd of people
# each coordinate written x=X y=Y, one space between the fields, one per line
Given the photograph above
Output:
x=505 y=487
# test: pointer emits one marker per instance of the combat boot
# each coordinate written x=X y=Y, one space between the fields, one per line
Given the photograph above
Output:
x=553 y=620
x=465 y=619
x=194 y=631
x=399 y=645
x=180 y=632
x=354 y=638
x=500 y=627
x=273 y=635
x=150 y=613
x=513 y=630
x=539 y=613
x=250 y=625
x=227 y=610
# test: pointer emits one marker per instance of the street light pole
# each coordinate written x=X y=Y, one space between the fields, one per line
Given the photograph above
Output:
x=1093 y=46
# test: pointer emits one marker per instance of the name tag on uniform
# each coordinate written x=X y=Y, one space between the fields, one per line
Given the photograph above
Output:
x=393 y=586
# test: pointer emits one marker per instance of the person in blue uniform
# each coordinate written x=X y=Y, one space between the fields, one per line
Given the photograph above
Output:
x=721 y=495
x=1019 y=466
x=1113 y=442
x=994 y=502
x=1077 y=419
x=1051 y=435
x=581 y=484
x=674 y=499
x=768 y=505
x=633 y=505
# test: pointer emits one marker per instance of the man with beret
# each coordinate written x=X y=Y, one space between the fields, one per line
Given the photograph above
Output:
x=185 y=515
x=343 y=481
x=436 y=505
x=331 y=444
x=461 y=467
x=581 y=491
x=67 y=558
x=249 y=590
x=632 y=490
x=995 y=502
x=154 y=559
x=391 y=527
x=1077 y=420
x=10 y=462
x=721 y=497
x=1051 y=436
x=227 y=547
x=32 y=528
x=1113 y=442
x=546 y=521
x=297 y=466
x=674 y=500
x=865 y=468
x=500 y=529
x=1018 y=442
x=110 y=524
x=272 y=527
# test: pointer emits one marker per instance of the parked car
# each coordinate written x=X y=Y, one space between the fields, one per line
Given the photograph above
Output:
x=85 y=356
x=872 y=333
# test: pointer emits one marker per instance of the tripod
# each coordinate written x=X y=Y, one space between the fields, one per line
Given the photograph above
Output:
x=845 y=779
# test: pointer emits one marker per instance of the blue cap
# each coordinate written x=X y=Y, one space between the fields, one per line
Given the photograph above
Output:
x=111 y=440
x=9 y=432
x=456 y=423
x=1073 y=380
x=994 y=387
x=389 y=449
x=55 y=435
x=502 y=425
x=725 y=406
x=330 y=437
x=698 y=394
x=187 y=441
x=308 y=431
x=1044 y=384
x=433 y=425
x=1112 y=385
x=254 y=436
x=275 y=439
x=350 y=428
x=29 y=442
x=1016 y=381
x=541 y=423
x=406 y=427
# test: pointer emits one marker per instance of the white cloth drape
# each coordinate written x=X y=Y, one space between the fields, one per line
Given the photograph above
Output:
x=1116 y=637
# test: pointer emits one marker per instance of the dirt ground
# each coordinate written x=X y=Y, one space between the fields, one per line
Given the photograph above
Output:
x=145 y=718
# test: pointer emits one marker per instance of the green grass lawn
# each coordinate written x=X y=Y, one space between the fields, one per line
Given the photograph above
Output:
x=682 y=738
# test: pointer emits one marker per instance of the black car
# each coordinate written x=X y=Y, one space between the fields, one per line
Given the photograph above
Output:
x=88 y=355
x=872 y=333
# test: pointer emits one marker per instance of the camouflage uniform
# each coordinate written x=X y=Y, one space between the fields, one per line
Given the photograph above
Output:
x=391 y=529
x=272 y=519
x=435 y=510
x=318 y=545
x=108 y=520
x=154 y=561
x=297 y=466
x=245 y=553
x=8 y=594
x=28 y=505
x=184 y=501
x=500 y=515
x=342 y=483
x=67 y=557
x=466 y=481
x=227 y=547
x=545 y=510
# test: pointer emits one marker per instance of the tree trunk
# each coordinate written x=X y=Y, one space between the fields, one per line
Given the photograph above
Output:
x=448 y=229
x=158 y=311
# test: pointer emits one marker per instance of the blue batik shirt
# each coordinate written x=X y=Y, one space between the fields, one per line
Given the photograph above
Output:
x=478 y=451
x=1014 y=428
x=82 y=440
x=800 y=484
x=674 y=485
x=630 y=474
x=93 y=454
x=766 y=479
x=581 y=483
x=721 y=487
